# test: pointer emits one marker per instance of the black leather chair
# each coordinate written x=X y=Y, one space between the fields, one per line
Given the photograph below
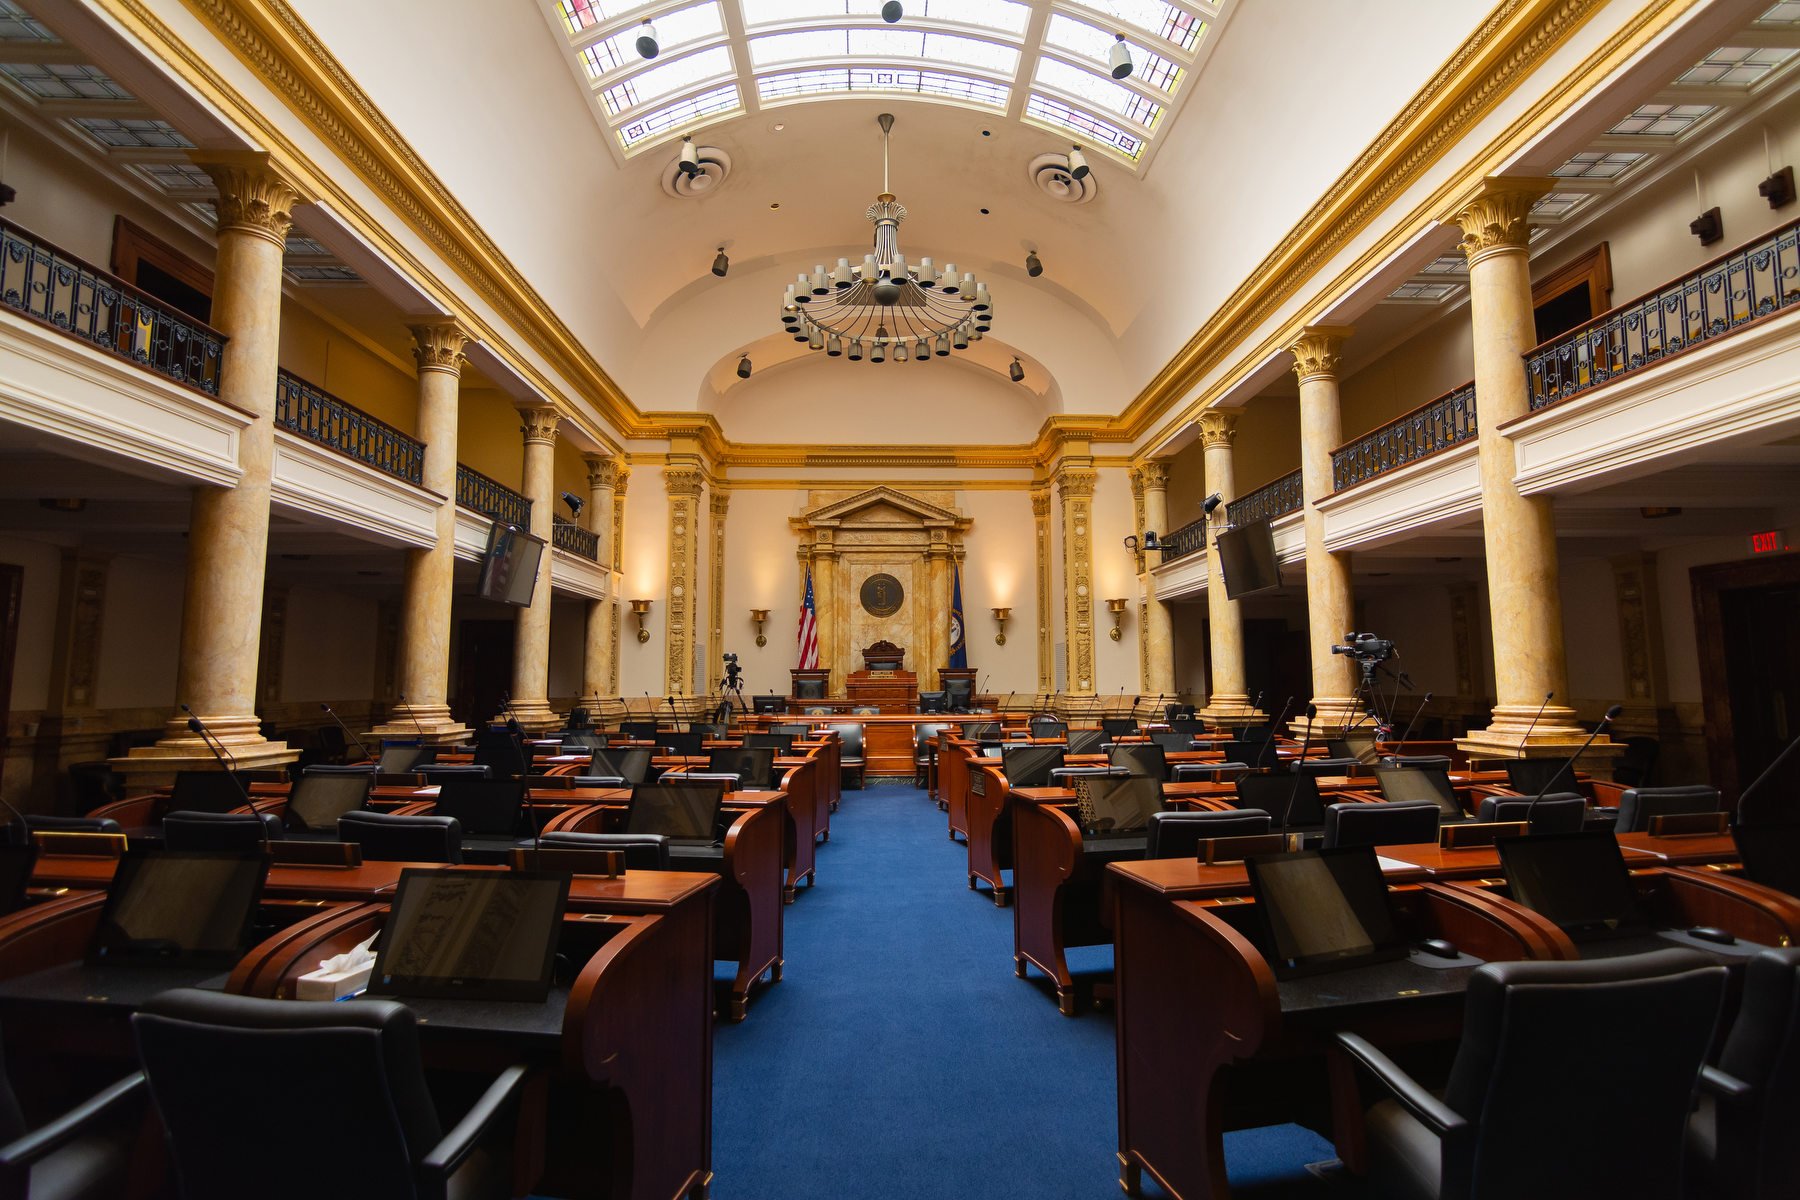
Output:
x=44 y=823
x=83 y=1154
x=345 y=1080
x=1740 y=1139
x=387 y=837
x=1638 y=805
x=1516 y=1120
x=1559 y=812
x=1405 y=823
x=1317 y=767
x=1178 y=834
x=220 y=831
x=925 y=750
x=850 y=750
x=643 y=851
x=1141 y=758
x=1047 y=727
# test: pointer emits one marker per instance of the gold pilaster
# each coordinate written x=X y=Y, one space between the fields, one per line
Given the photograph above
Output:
x=1046 y=640
x=1075 y=481
x=684 y=481
x=598 y=641
x=1157 y=643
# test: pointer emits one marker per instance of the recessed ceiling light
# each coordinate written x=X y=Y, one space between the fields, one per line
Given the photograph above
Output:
x=779 y=126
x=984 y=212
x=775 y=204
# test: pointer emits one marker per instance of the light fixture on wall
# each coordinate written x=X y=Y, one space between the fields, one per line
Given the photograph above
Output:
x=743 y=367
x=1777 y=189
x=641 y=609
x=1709 y=227
x=1117 y=609
x=1149 y=543
x=721 y=264
x=885 y=305
x=760 y=615
x=1001 y=617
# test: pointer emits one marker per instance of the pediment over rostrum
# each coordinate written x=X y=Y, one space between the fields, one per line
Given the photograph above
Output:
x=881 y=508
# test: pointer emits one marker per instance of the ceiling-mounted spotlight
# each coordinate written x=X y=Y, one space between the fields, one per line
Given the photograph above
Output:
x=1213 y=501
x=1118 y=56
x=690 y=158
x=721 y=264
x=1078 y=163
x=1016 y=371
x=1034 y=266
x=574 y=503
x=646 y=41
x=744 y=367
x=892 y=11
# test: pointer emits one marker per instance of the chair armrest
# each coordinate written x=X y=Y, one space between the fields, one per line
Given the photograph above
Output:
x=1715 y=1082
x=1440 y=1117
x=497 y=1103
x=109 y=1104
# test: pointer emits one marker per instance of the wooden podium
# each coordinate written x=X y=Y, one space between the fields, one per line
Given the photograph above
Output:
x=883 y=683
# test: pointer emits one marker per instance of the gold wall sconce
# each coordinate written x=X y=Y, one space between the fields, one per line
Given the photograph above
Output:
x=759 y=615
x=641 y=609
x=1117 y=609
x=1001 y=617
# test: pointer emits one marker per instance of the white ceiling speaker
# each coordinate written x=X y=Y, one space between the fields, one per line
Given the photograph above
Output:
x=1052 y=175
x=688 y=178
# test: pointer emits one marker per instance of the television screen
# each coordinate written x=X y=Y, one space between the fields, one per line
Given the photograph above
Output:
x=1029 y=766
x=1247 y=556
x=169 y=907
x=509 y=565
x=1324 y=909
x=475 y=935
x=482 y=806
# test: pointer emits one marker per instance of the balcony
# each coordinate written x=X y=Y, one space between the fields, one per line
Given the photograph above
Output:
x=318 y=416
x=1737 y=289
x=1184 y=541
x=81 y=301
x=1275 y=499
x=1445 y=422
x=483 y=495
x=575 y=540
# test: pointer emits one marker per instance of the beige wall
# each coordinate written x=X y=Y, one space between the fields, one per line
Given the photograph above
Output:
x=141 y=635
x=1268 y=442
x=645 y=558
x=37 y=618
x=1115 y=575
x=488 y=438
x=323 y=356
x=1433 y=361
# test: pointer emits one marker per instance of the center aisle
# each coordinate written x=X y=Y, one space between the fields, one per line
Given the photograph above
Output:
x=901 y=1058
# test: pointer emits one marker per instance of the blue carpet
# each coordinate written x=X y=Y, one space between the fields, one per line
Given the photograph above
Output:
x=901 y=1058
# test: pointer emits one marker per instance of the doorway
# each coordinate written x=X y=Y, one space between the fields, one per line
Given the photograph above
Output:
x=12 y=591
x=484 y=663
x=1749 y=649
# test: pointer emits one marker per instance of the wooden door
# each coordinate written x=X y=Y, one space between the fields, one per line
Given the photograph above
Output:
x=1749 y=643
x=484 y=662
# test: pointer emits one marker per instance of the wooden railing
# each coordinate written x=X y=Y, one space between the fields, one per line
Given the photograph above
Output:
x=1754 y=281
x=318 y=416
x=565 y=535
x=1275 y=499
x=1447 y=421
x=52 y=286
x=475 y=490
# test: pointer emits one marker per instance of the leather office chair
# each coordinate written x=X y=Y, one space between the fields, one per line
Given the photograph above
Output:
x=1116 y=727
x=1740 y=1137
x=643 y=851
x=1141 y=758
x=1514 y=1120
x=83 y=1154
x=1403 y=823
x=1223 y=772
x=1178 y=834
x=1047 y=727
x=850 y=750
x=435 y=771
x=1317 y=767
x=1638 y=805
x=925 y=750
x=220 y=831
x=344 y=1080
x=1559 y=812
x=1172 y=739
x=385 y=837
x=44 y=823
x=631 y=765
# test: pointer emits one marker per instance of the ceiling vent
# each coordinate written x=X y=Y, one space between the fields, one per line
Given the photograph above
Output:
x=714 y=167
x=1050 y=174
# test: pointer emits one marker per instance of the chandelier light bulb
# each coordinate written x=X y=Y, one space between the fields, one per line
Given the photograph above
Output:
x=841 y=276
x=899 y=351
x=647 y=46
x=1118 y=57
x=959 y=340
x=721 y=264
x=943 y=346
x=1078 y=164
x=878 y=351
x=892 y=11
x=817 y=340
x=1034 y=266
x=922 y=352
x=834 y=346
x=744 y=367
x=856 y=352
x=1016 y=371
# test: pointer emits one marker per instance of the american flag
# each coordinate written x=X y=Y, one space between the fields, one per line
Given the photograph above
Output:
x=809 y=630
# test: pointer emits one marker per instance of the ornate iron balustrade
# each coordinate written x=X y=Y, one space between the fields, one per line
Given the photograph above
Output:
x=62 y=291
x=1745 y=285
x=565 y=535
x=318 y=416
x=475 y=490
x=1184 y=541
x=1445 y=422
x=1271 y=500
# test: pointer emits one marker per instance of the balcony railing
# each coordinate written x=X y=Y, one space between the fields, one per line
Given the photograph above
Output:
x=1271 y=500
x=318 y=416
x=1745 y=285
x=1445 y=422
x=1184 y=541
x=62 y=291
x=576 y=540
x=475 y=490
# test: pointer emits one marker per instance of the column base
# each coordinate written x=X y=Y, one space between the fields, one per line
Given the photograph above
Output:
x=1555 y=735
x=1231 y=712
x=533 y=716
x=1333 y=716
x=427 y=724
x=149 y=768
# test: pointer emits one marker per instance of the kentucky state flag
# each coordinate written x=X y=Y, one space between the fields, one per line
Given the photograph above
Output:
x=959 y=652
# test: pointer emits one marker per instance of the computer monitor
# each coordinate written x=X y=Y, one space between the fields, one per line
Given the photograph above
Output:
x=15 y=875
x=958 y=693
x=680 y=811
x=683 y=743
x=1110 y=804
x=1324 y=910
x=482 y=806
x=1029 y=766
x=471 y=935
x=1578 y=880
x=1293 y=797
x=173 y=907
x=1546 y=776
x=981 y=731
x=1771 y=855
x=630 y=764
x=1356 y=743
x=768 y=704
x=780 y=743
x=206 y=791
x=317 y=801
x=1247 y=557
x=1086 y=741
x=1401 y=784
x=932 y=702
x=753 y=765
x=398 y=757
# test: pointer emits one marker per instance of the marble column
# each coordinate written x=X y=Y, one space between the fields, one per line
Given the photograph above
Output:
x=1159 y=639
x=1518 y=532
x=228 y=528
x=424 y=708
x=618 y=565
x=1328 y=610
x=531 y=649
x=1046 y=615
x=602 y=622
x=1228 y=702
x=825 y=614
x=1075 y=490
x=685 y=482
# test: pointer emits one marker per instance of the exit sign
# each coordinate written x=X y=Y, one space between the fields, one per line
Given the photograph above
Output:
x=1769 y=541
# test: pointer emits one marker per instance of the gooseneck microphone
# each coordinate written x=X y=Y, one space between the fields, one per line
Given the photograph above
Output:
x=1270 y=740
x=1534 y=720
x=1401 y=748
x=1612 y=714
x=217 y=748
x=348 y=732
x=1312 y=711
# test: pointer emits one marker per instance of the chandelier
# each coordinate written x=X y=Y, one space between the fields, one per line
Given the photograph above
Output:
x=885 y=307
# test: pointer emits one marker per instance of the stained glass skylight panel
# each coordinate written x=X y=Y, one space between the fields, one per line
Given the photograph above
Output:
x=674 y=30
x=1598 y=164
x=130 y=133
x=1661 y=120
x=306 y=247
x=1004 y=16
x=17 y=25
x=1099 y=91
x=1423 y=293
x=1785 y=13
x=1558 y=205
x=1447 y=264
x=850 y=80
x=322 y=273
x=1180 y=29
x=716 y=102
x=1091 y=129
x=836 y=44
x=667 y=79
x=1091 y=44
x=578 y=15
x=1736 y=65
x=176 y=176
x=64 y=81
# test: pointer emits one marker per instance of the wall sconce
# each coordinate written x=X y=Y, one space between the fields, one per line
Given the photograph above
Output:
x=1001 y=617
x=1149 y=543
x=1117 y=609
x=759 y=615
x=641 y=609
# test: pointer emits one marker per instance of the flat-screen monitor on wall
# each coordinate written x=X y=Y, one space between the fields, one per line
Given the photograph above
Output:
x=509 y=566
x=1247 y=555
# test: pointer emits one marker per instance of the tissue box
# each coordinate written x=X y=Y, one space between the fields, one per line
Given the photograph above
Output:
x=334 y=985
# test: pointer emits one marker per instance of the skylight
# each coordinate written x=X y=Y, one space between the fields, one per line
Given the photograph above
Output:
x=719 y=58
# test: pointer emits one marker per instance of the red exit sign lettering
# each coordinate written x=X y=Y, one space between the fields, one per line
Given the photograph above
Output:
x=1769 y=541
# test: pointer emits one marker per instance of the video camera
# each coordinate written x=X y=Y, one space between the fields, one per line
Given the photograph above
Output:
x=1366 y=648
